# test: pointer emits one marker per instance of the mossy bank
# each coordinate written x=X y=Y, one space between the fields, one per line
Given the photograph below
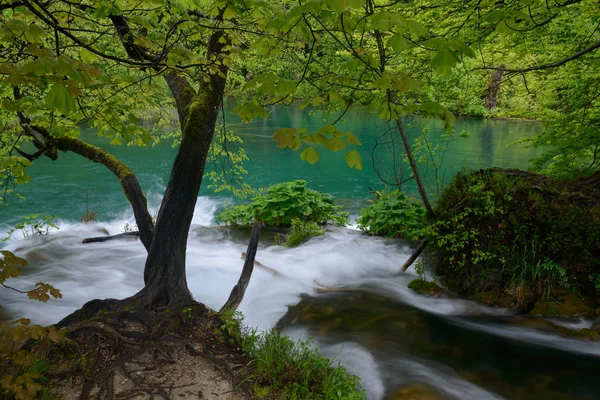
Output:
x=520 y=239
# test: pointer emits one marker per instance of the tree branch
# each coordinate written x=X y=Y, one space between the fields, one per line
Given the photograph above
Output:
x=551 y=65
x=129 y=182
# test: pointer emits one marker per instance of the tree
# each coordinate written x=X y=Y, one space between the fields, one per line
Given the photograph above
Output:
x=68 y=62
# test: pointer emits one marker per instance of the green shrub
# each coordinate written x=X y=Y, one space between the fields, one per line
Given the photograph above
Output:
x=394 y=215
x=287 y=369
x=299 y=231
x=284 y=202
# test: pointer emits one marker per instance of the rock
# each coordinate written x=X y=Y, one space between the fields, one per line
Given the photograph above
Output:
x=424 y=287
x=583 y=334
x=415 y=391
x=568 y=305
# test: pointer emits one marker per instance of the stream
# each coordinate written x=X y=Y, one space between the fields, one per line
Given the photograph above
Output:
x=391 y=337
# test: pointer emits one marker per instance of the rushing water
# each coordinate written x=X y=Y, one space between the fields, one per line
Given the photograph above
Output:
x=378 y=328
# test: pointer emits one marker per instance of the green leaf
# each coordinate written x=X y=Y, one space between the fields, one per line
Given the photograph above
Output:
x=336 y=144
x=60 y=98
x=310 y=154
x=398 y=43
x=351 y=139
x=444 y=61
x=353 y=159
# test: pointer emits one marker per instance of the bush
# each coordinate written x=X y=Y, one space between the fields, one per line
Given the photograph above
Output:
x=284 y=202
x=393 y=215
x=287 y=369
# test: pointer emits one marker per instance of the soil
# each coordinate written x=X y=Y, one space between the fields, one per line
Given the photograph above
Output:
x=175 y=353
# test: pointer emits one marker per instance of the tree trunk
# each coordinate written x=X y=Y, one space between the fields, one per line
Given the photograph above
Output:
x=237 y=293
x=493 y=90
x=415 y=171
x=164 y=273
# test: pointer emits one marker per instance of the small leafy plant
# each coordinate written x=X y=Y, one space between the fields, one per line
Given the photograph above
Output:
x=284 y=202
x=393 y=214
x=33 y=225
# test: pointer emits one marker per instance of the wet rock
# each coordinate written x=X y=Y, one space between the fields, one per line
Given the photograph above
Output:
x=424 y=287
x=415 y=391
x=564 y=306
x=583 y=334
x=532 y=323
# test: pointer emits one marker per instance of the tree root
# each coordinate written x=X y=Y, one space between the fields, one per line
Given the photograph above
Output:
x=103 y=328
x=111 y=340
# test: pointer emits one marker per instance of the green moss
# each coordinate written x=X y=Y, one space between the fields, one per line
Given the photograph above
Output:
x=583 y=334
x=517 y=234
x=424 y=287
x=566 y=306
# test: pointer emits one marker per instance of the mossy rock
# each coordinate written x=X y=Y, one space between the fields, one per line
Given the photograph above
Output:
x=519 y=236
x=424 y=287
x=583 y=334
x=564 y=306
x=415 y=391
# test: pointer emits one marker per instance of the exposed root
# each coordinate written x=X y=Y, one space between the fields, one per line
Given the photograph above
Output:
x=102 y=327
x=127 y=351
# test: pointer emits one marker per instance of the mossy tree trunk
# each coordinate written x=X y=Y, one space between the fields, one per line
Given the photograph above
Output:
x=164 y=273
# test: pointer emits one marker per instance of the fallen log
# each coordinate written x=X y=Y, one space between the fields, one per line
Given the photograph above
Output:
x=125 y=235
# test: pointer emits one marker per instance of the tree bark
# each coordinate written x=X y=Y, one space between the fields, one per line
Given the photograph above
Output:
x=414 y=255
x=237 y=293
x=493 y=90
x=164 y=272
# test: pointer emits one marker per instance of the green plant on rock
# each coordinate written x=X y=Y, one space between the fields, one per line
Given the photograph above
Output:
x=284 y=202
x=299 y=231
x=393 y=214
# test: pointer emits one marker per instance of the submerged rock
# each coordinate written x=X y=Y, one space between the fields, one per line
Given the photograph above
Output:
x=415 y=391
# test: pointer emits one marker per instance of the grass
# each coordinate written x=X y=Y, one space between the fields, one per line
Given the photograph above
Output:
x=285 y=369
x=299 y=231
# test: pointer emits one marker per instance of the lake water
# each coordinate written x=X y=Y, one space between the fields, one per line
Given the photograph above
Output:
x=391 y=337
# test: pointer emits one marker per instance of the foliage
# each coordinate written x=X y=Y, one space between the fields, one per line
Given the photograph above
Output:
x=284 y=202
x=226 y=158
x=299 y=231
x=393 y=214
x=518 y=233
x=283 y=368
x=595 y=279
x=33 y=225
x=24 y=380
x=420 y=270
